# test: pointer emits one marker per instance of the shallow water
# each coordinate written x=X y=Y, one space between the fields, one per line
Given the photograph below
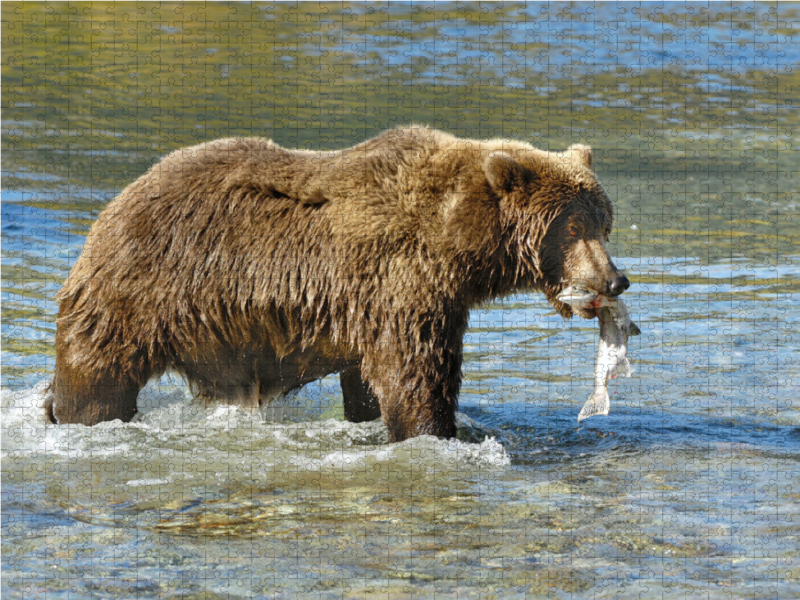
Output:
x=690 y=487
x=690 y=484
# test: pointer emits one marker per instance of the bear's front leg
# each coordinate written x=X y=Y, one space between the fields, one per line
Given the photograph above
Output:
x=360 y=404
x=418 y=394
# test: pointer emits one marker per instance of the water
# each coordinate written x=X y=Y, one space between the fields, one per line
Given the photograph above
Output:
x=690 y=487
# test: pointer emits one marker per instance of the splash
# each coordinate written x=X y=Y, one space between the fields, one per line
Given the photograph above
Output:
x=171 y=429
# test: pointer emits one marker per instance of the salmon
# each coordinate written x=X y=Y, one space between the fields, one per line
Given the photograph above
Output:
x=616 y=327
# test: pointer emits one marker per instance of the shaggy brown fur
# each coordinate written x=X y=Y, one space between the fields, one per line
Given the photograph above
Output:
x=252 y=270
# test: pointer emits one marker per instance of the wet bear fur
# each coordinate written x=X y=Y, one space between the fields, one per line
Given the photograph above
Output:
x=252 y=270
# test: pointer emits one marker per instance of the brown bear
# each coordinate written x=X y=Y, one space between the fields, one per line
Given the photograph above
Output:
x=252 y=270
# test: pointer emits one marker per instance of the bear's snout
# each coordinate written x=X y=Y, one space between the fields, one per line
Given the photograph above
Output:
x=617 y=285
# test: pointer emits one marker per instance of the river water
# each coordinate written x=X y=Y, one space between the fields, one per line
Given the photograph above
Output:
x=689 y=488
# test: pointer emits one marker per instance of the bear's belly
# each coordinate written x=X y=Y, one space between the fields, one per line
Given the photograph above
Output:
x=253 y=378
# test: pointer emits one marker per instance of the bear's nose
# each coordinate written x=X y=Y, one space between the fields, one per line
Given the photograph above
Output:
x=618 y=285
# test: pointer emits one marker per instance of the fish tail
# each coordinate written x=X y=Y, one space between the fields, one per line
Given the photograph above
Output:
x=598 y=404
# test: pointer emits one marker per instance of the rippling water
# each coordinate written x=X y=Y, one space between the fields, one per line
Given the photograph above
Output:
x=690 y=487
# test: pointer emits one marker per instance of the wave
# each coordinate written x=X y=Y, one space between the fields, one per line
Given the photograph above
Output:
x=171 y=426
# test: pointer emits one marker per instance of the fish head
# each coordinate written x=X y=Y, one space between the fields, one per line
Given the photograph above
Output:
x=578 y=295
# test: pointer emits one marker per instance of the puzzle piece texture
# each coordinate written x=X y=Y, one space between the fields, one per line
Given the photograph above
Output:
x=689 y=488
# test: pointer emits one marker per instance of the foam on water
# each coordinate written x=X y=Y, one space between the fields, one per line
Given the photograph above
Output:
x=170 y=422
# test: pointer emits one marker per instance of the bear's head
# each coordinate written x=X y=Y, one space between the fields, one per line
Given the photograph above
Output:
x=550 y=222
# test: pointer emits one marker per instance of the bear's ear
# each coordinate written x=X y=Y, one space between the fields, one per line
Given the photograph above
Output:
x=580 y=154
x=504 y=173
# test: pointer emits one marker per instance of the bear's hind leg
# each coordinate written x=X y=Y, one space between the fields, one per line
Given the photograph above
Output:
x=360 y=404
x=90 y=398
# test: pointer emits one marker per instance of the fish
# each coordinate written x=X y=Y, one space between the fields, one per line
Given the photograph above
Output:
x=578 y=296
x=616 y=327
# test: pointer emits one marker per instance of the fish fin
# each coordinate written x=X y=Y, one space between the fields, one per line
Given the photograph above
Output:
x=633 y=329
x=623 y=369
x=597 y=404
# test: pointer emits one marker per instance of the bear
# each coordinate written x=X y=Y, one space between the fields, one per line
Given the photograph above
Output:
x=252 y=270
